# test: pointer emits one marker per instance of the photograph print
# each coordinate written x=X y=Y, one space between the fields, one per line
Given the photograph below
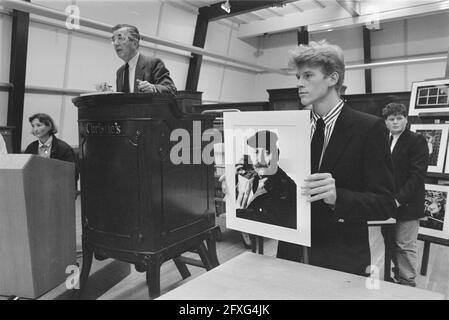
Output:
x=429 y=96
x=435 y=223
x=436 y=136
x=267 y=155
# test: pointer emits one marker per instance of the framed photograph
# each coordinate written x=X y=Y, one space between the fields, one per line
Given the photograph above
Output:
x=429 y=96
x=436 y=221
x=436 y=136
x=267 y=156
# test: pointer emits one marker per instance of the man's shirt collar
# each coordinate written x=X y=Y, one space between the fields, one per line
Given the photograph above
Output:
x=133 y=61
x=331 y=116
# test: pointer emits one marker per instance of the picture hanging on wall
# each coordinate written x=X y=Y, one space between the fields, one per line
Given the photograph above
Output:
x=436 y=221
x=429 y=96
x=436 y=136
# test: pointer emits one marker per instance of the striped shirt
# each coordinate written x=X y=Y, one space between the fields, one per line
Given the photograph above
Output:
x=329 y=123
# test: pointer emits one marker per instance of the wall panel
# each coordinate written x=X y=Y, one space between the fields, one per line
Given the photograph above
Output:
x=177 y=24
x=389 y=79
x=217 y=37
x=3 y=108
x=5 y=46
x=92 y=60
x=210 y=81
x=68 y=120
x=143 y=14
x=46 y=55
x=238 y=86
x=428 y=34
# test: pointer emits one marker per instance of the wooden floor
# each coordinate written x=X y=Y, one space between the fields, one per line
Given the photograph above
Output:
x=133 y=286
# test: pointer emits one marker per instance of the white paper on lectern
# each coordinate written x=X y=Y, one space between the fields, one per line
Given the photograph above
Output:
x=293 y=131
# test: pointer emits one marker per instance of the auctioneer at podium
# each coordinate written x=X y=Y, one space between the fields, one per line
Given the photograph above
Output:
x=138 y=205
x=37 y=224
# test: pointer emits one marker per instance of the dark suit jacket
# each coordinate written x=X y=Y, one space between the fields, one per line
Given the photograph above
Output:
x=277 y=206
x=152 y=70
x=410 y=158
x=358 y=157
x=60 y=150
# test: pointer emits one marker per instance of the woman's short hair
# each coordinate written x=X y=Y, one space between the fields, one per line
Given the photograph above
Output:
x=45 y=119
x=394 y=109
x=320 y=54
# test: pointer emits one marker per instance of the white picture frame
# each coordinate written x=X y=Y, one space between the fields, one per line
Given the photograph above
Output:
x=292 y=129
x=429 y=96
x=436 y=222
x=437 y=137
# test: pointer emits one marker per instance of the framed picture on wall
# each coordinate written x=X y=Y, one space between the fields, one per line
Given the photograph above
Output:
x=267 y=156
x=436 y=221
x=436 y=136
x=429 y=96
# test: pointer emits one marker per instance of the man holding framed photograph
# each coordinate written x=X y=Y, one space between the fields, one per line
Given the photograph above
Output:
x=410 y=156
x=352 y=174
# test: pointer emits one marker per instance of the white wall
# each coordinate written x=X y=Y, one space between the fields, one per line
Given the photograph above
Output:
x=395 y=40
x=62 y=58
x=5 y=53
x=221 y=83
x=273 y=52
x=423 y=35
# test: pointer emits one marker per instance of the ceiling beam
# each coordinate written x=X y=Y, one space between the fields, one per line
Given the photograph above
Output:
x=319 y=4
x=181 y=5
x=215 y=12
x=237 y=19
x=274 y=12
x=352 y=6
x=292 y=21
x=391 y=15
x=334 y=17
x=297 y=7
x=255 y=15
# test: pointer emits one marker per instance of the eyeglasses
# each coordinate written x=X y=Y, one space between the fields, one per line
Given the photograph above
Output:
x=120 y=39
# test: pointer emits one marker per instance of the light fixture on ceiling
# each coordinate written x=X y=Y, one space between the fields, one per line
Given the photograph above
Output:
x=226 y=6
x=278 y=5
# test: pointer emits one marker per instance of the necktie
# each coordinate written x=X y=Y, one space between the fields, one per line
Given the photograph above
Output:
x=126 y=79
x=391 y=140
x=255 y=183
x=317 y=145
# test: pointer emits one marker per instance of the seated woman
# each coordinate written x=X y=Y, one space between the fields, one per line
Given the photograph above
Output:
x=47 y=145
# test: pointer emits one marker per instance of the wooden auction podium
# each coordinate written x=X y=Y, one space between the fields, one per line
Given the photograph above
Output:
x=37 y=224
x=138 y=206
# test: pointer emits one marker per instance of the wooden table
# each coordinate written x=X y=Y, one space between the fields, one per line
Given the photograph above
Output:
x=252 y=276
x=388 y=235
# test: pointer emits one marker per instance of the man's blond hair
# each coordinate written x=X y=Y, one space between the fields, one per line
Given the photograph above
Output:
x=320 y=54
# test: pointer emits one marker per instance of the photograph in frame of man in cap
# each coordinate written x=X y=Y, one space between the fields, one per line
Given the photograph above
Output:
x=264 y=192
x=266 y=156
